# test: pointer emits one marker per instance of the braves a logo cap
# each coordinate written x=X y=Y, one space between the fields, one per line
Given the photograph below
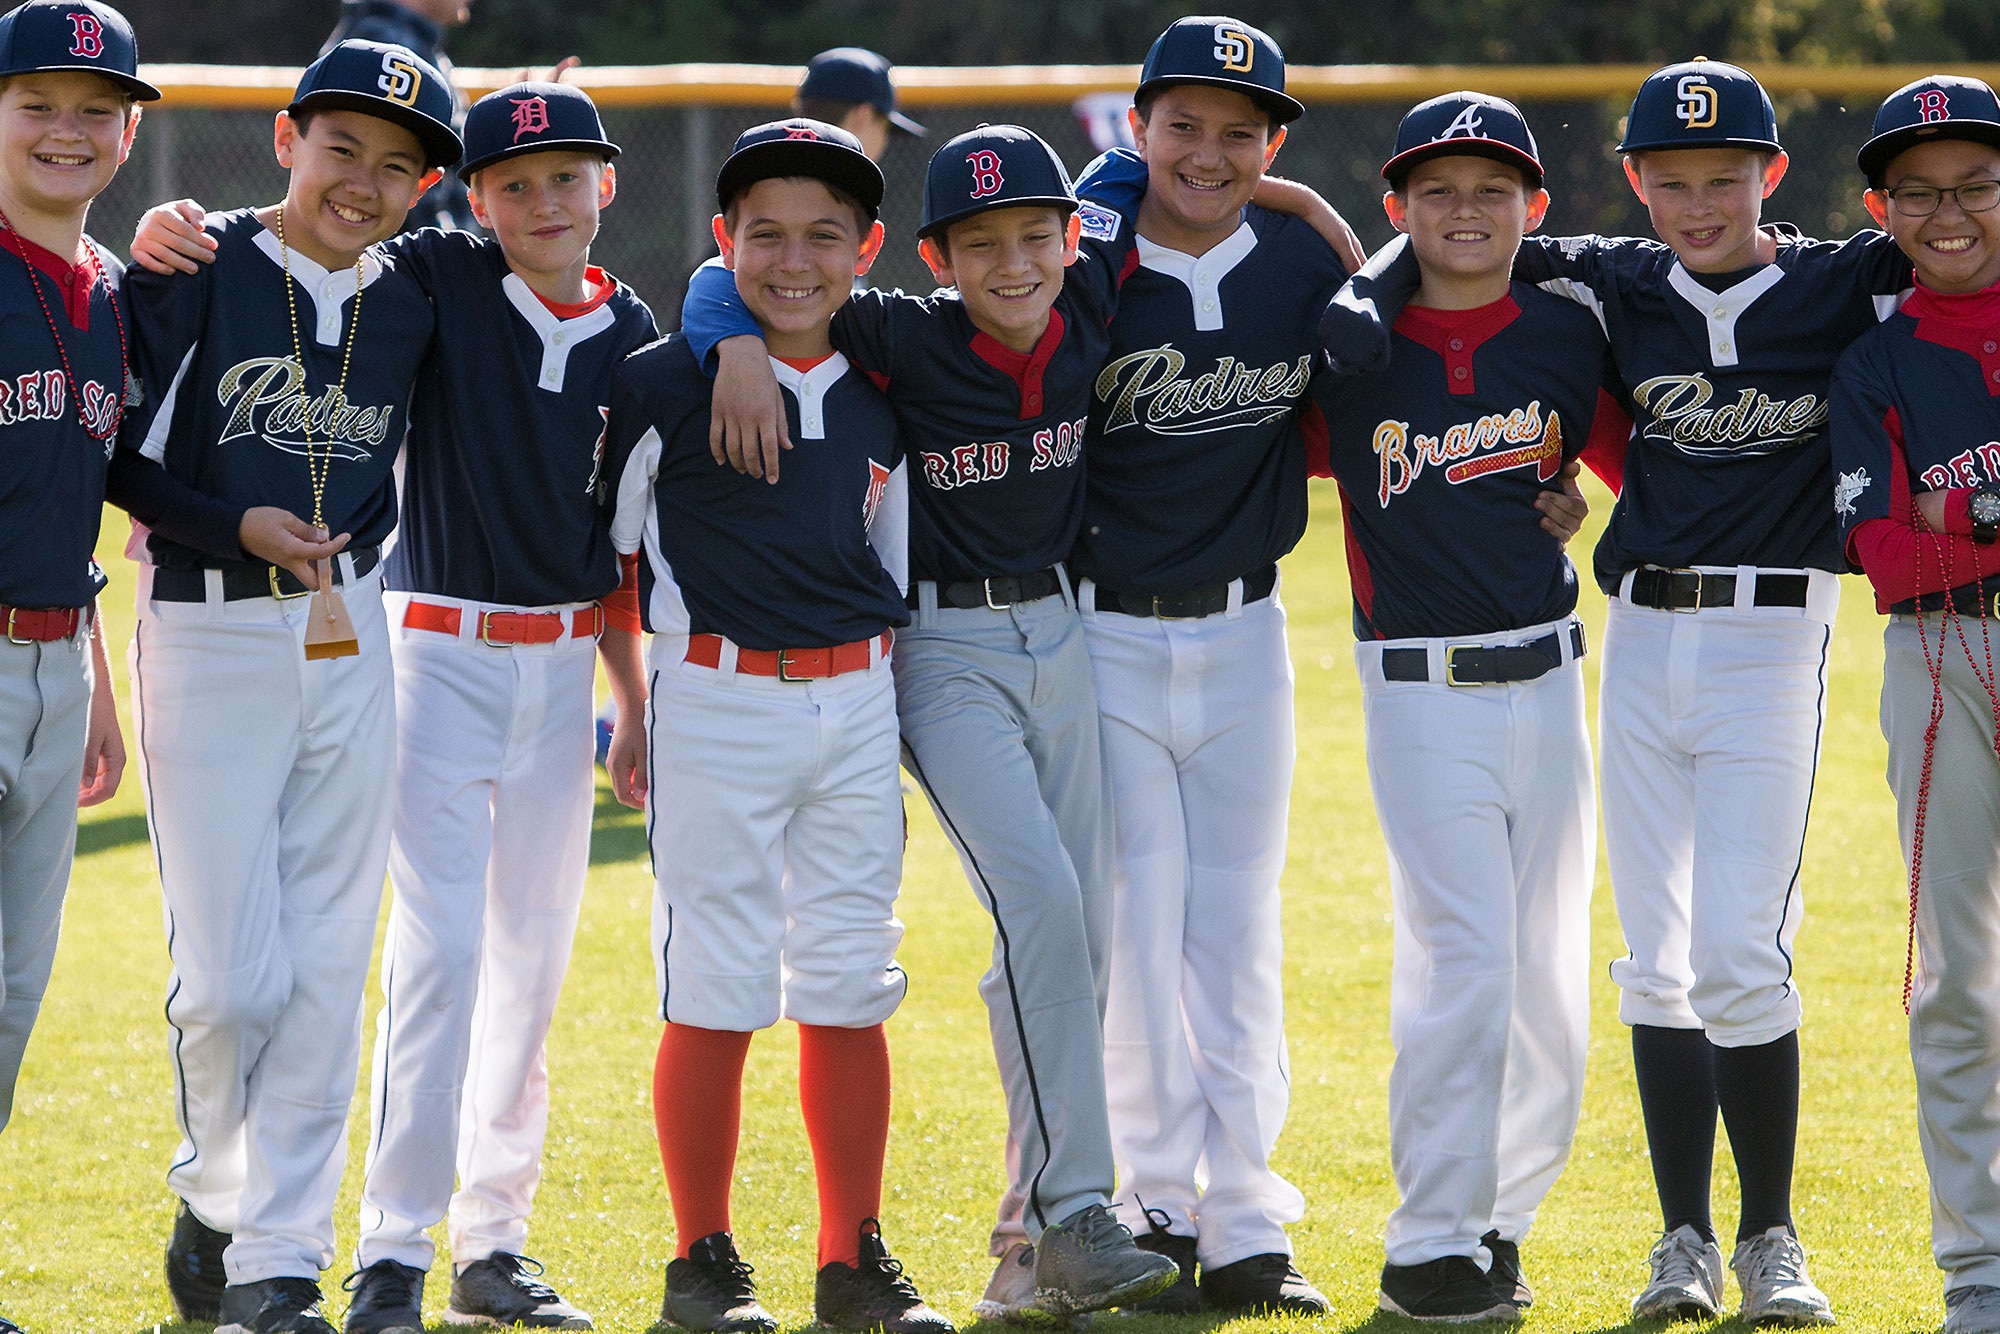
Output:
x=994 y=166
x=852 y=74
x=391 y=82
x=532 y=118
x=1701 y=104
x=1464 y=124
x=1942 y=106
x=799 y=147
x=73 y=35
x=1223 y=53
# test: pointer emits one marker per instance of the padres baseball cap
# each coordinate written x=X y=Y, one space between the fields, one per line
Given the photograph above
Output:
x=1469 y=124
x=532 y=118
x=852 y=74
x=1223 y=53
x=994 y=166
x=391 y=82
x=1701 y=104
x=1942 y=106
x=799 y=147
x=77 y=35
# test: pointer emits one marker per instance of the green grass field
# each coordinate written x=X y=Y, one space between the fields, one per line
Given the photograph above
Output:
x=86 y=1211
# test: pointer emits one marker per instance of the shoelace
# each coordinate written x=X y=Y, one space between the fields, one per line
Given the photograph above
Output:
x=514 y=1268
x=297 y=1294
x=354 y=1280
x=1099 y=1228
x=1159 y=1220
x=1681 y=1262
x=731 y=1267
x=876 y=1260
x=1782 y=1260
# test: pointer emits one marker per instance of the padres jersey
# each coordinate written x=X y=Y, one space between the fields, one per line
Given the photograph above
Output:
x=780 y=566
x=1727 y=383
x=1196 y=467
x=226 y=408
x=51 y=471
x=1441 y=453
x=507 y=431
x=1916 y=407
x=995 y=436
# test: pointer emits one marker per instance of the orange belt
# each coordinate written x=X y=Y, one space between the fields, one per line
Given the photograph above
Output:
x=792 y=664
x=506 y=627
x=27 y=626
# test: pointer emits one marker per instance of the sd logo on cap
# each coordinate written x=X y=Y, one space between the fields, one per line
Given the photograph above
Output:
x=1222 y=53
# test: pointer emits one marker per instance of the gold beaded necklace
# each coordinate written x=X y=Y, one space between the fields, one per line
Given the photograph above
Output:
x=318 y=465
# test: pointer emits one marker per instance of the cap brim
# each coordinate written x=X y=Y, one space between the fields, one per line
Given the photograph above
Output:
x=833 y=163
x=441 y=146
x=898 y=120
x=1398 y=167
x=137 y=89
x=1064 y=203
x=602 y=148
x=1286 y=109
x=1669 y=145
x=1876 y=155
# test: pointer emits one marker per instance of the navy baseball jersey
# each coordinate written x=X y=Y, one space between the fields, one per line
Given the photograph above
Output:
x=52 y=470
x=507 y=431
x=1916 y=407
x=224 y=407
x=995 y=436
x=1440 y=455
x=1196 y=465
x=768 y=566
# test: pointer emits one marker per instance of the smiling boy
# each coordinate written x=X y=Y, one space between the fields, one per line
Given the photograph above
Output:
x=1916 y=447
x=269 y=416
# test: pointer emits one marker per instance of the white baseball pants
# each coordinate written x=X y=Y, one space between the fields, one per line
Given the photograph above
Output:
x=267 y=782
x=1198 y=744
x=1485 y=799
x=487 y=859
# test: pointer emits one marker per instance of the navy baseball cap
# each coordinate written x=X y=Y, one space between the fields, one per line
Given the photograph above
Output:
x=799 y=147
x=1943 y=106
x=79 y=35
x=532 y=118
x=387 y=81
x=1222 y=53
x=1464 y=124
x=1701 y=104
x=852 y=74
x=994 y=166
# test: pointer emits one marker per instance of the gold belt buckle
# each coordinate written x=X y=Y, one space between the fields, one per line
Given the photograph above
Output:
x=280 y=593
x=12 y=612
x=1451 y=665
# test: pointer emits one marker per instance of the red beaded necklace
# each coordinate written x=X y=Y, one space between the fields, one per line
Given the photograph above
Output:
x=76 y=397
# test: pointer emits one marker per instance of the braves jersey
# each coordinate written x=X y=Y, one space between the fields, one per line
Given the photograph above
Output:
x=995 y=436
x=1196 y=470
x=1440 y=456
x=814 y=560
x=507 y=431
x=52 y=471
x=1916 y=407
x=225 y=406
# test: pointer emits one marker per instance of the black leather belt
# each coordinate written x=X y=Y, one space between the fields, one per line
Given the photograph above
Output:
x=1483 y=664
x=1691 y=590
x=252 y=581
x=1000 y=591
x=1203 y=601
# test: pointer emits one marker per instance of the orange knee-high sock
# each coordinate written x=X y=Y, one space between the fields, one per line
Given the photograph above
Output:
x=844 y=1094
x=697 y=1110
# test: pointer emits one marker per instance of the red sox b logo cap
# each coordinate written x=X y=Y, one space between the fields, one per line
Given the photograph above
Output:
x=1943 y=106
x=80 y=35
x=994 y=166
x=533 y=117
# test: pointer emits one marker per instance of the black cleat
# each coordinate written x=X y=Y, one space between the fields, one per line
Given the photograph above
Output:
x=194 y=1267
x=1506 y=1270
x=1266 y=1282
x=1183 y=1298
x=709 y=1288
x=388 y=1299
x=874 y=1294
x=1451 y=1290
x=273 y=1306
x=505 y=1289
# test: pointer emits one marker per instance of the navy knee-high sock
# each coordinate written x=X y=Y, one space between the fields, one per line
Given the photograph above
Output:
x=1677 y=1092
x=1758 y=1089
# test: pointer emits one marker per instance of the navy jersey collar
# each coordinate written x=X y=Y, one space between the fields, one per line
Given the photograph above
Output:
x=1202 y=274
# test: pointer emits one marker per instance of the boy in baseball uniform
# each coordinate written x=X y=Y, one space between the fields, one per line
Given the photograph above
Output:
x=1916 y=454
x=502 y=581
x=1721 y=562
x=272 y=397
x=69 y=87
x=1472 y=687
x=773 y=806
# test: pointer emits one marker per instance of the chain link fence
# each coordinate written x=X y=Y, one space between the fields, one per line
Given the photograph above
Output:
x=658 y=229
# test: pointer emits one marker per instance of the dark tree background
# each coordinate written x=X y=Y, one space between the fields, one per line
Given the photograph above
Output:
x=983 y=32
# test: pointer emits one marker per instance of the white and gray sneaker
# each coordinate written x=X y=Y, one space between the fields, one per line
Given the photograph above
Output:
x=1687 y=1279
x=1972 y=1310
x=1771 y=1270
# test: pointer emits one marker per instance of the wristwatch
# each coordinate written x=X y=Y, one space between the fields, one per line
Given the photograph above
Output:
x=1984 y=509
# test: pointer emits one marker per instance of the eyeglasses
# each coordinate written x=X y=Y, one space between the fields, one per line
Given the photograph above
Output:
x=1920 y=201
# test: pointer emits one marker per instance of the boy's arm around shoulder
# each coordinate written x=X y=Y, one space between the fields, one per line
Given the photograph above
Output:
x=1354 y=331
x=1297 y=200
